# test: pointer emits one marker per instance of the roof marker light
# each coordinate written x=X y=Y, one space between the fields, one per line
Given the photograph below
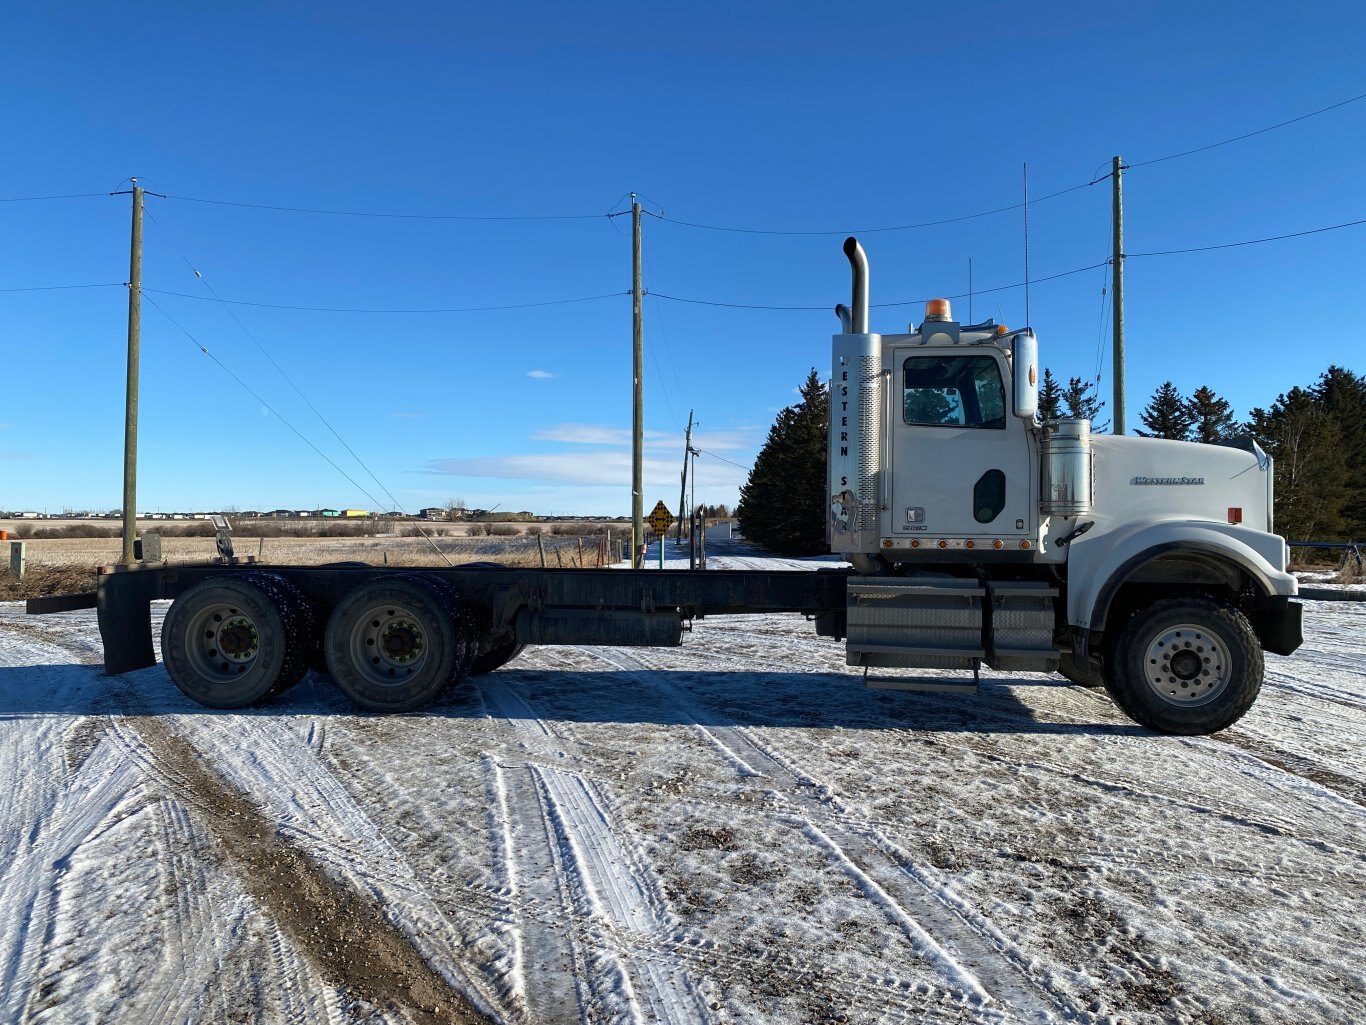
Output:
x=938 y=309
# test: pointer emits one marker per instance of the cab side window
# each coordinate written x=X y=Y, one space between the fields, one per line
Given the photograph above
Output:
x=954 y=391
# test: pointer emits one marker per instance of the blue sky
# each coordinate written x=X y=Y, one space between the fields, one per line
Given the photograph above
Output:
x=781 y=117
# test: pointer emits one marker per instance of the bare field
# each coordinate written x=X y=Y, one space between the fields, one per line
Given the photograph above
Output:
x=380 y=550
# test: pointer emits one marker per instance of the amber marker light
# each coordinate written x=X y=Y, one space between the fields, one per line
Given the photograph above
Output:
x=998 y=544
x=1235 y=514
x=938 y=309
x=1026 y=545
x=915 y=542
x=968 y=544
x=943 y=544
x=887 y=542
x=1001 y=329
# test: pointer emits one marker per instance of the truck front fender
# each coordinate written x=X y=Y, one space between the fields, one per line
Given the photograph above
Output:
x=1100 y=563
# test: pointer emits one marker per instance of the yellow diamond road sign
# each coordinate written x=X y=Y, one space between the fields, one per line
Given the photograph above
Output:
x=660 y=518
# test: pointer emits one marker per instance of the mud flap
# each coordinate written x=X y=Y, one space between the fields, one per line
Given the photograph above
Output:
x=1279 y=625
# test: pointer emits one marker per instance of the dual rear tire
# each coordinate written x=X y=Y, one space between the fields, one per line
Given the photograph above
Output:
x=392 y=644
x=396 y=644
x=232 y=641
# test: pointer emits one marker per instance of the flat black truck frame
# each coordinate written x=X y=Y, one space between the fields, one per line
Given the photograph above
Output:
x=394 y=638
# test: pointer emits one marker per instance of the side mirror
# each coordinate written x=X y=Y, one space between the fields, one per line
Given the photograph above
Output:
x=1024 y=351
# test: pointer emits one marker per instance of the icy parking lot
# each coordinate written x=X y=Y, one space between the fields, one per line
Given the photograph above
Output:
x=731 y=831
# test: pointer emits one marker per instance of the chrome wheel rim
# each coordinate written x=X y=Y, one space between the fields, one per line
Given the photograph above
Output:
x=1187 y=665
x=225 y=642
x=389 y=644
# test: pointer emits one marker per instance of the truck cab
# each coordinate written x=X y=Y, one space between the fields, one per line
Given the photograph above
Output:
x=981 y=535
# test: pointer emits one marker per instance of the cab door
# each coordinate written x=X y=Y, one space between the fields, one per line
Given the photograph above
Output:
x=961 y=464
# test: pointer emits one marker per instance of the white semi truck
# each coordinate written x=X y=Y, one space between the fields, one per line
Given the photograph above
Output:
x=977 y=534
x=980 y=534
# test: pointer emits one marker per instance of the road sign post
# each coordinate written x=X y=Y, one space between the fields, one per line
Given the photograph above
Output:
x=660 y=521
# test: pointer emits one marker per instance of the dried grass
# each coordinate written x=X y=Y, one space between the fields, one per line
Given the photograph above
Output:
x=42 y=580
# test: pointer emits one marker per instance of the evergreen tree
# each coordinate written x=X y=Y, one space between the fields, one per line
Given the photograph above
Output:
x=1050 y=397
x=1211 y=417
x=783 y=503
x=1341 y=394
x=1166 y=415
x=1311 y=470
x=1081 y=402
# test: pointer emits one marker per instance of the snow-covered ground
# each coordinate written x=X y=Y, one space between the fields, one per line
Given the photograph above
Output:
x=731 y=831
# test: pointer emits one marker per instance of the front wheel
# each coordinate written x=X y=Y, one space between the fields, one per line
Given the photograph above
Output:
x=1185 y=665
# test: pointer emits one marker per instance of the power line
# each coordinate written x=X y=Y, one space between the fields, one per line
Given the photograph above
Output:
x=55 y=288
x=1248 y=135
x=40 y=199
x=873 y=231
x=250 y=391
x=394 y=502
x=900 y=302
x=1250 y=242
x=386 y=215
x=724 y=459
x=346 y=309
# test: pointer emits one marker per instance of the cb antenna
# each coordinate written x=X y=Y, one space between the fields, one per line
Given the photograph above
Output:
x=1026 y=240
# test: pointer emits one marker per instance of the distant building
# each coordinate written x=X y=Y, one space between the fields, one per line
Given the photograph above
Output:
x=723 y=530
x=327 y=514
x=434 y=512
x=355 y=514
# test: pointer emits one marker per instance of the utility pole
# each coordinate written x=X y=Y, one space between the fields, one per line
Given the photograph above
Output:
x=638 y=396
x=683 y=485
x=1118 y=288
x=130 y=422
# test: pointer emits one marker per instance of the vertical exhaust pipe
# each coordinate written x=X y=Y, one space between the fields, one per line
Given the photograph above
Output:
x=846 y=318
x=858 y=262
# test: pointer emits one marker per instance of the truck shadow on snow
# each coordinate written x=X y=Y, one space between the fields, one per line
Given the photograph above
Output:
x=656 y=697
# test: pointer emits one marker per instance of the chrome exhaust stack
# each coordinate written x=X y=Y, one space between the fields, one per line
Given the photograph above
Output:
x=858 y=262
x=859 y=393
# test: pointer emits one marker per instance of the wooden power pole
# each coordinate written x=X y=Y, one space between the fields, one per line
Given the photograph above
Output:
x=1118 y=288
x=638 y=396
x=130 y=422
x=683 y=485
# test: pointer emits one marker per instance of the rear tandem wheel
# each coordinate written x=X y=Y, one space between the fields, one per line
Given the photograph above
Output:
x=396 y=643
x=231 y=641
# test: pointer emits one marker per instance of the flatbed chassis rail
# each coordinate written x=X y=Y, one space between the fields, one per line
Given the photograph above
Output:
x=563 y=606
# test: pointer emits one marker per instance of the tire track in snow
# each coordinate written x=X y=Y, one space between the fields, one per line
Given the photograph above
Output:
x=973 y=957
x=319 y=914
x=878 y=996
x=573 y=855
x=244 y=745
x=315 y=815
x=616 y=888
x=90 y=800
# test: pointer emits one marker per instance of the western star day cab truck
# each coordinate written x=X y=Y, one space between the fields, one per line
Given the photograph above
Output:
x=977 y=535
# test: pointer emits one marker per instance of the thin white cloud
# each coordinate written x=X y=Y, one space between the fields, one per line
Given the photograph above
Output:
x=407 y=416
x=597 y=469
x=584 y=434
x=600 y=434
x=13 y=455
x=540 y=375
x=5 y=427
